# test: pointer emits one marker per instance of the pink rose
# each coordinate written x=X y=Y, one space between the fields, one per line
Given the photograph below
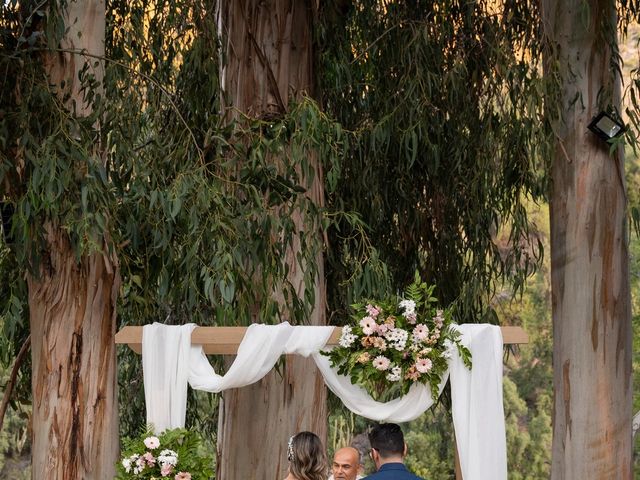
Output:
x=412 y=373
x=364 y=357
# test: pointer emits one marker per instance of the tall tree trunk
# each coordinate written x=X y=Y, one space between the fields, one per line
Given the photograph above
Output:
x=72 y=310
x=589 y=254
x=268 y=49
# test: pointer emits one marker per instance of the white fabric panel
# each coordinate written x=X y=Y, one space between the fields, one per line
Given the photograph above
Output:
x=476 y=404
x=165 y=360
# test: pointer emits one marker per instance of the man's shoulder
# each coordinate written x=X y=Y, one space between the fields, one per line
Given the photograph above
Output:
x=393 y=476
x=397 y=473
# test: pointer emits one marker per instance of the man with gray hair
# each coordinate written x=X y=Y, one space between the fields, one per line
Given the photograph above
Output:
x=346 y=464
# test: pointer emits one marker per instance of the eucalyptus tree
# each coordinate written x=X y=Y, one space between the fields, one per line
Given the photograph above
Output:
x=268 y=64
x=589 y=241
x=71 y=296
x=202 y=208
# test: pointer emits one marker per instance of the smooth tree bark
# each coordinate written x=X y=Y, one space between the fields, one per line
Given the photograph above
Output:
x=72 y=307
x=268 y=60
x=589 y=253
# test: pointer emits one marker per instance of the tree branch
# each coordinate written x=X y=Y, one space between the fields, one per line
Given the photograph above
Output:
x=12 y=379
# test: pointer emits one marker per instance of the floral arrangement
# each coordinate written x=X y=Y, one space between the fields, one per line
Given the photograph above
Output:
x=176 y=454
x=394 y=343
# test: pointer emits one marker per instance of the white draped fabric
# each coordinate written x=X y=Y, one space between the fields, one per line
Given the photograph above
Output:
x=165 y=357
x=355 y=398
x=476 y=405
x=170 y=362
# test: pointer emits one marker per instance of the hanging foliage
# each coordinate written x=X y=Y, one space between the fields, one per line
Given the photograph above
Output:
x=444 y=100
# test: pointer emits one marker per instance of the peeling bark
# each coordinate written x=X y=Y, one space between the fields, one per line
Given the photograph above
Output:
x=268 y=47
x=589 y=255
x=72 y=319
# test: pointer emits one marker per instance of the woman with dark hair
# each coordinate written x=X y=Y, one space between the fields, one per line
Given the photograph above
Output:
x=306 y=457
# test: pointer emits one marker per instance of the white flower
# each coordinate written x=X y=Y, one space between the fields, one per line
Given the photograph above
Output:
x=395 y=375
x=151 y=443
x=126 y=463
x=448 y=349
x=347 y=338
x=168 y=457
x=381 y=362
x=397 y=338
x=409 y=307
x=138 y=463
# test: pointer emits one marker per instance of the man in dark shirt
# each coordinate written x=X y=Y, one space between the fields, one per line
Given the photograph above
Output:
x=388 y=450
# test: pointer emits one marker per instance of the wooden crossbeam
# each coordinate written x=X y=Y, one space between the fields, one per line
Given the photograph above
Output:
x=225 y=340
